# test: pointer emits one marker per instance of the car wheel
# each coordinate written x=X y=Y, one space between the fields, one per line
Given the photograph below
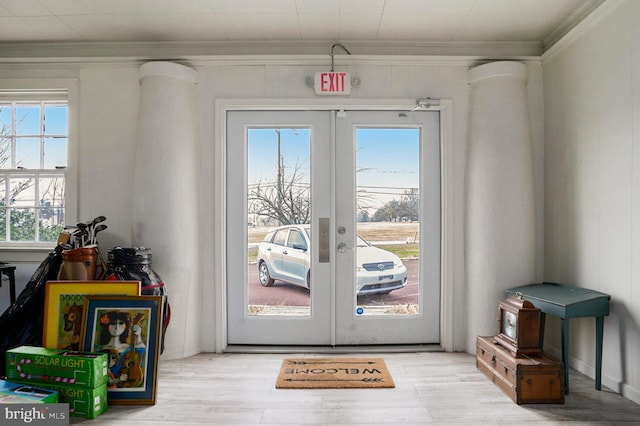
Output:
x=263 y=274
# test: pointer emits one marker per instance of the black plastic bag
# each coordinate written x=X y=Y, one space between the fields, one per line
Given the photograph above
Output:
x=134 y=264
x=22 y=322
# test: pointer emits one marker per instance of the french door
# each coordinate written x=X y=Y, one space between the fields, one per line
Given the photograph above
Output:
x=333 y=227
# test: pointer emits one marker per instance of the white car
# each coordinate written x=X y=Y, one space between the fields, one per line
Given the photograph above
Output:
x=284 y=255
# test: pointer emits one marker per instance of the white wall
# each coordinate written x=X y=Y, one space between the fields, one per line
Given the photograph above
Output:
x=592 y=186
x=107 y=121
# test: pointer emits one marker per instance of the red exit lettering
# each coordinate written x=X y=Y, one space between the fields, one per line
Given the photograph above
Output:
x=332 y=81
x=327 y=83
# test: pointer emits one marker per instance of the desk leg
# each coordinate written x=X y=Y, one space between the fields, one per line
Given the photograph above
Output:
x=543 y=319
x=12 y=286
x=565 y=353
x=599 y=338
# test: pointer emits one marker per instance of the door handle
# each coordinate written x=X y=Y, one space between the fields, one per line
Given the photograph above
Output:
x=342 y=247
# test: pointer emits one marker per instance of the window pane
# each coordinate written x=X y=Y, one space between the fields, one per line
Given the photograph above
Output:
x=3 y=211
x=23 y=192
x=28 y=120
x=55 y=119
x=3 y=225
x=279 y=193
x=51 y=192
x=28 y=153
x=23 y=224
x=51 y=223
x=5 y=152
x=388 y=200
x=55 y=152
x=3 y=195
x=5 y=119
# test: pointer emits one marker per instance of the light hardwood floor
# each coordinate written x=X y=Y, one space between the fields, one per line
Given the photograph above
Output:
x=431 y=388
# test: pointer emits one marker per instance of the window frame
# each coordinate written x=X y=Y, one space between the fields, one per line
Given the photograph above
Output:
x=25 y=90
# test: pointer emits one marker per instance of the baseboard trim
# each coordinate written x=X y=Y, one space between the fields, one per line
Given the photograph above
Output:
x=268 y=349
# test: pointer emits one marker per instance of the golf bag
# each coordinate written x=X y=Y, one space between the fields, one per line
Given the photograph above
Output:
x=21 y=323
x=82 y=263
x=135 y=264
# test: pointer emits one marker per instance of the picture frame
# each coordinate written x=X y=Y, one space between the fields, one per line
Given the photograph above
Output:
x=64 y=305
x=117 y=324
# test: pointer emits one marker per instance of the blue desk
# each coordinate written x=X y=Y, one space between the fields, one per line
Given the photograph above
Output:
x=568 y=302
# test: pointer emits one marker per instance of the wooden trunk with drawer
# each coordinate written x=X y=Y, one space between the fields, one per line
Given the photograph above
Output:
x=527 y=379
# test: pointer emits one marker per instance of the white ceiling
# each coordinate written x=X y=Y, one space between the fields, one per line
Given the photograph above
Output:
x=420 y=21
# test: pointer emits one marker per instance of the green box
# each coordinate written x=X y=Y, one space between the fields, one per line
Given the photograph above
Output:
x=19 y=393
x=83 y=402
x=42 y=365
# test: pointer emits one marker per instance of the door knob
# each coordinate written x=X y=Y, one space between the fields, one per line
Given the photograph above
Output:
x=342 y=247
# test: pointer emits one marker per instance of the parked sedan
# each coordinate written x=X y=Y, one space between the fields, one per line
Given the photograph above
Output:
x=284 y=255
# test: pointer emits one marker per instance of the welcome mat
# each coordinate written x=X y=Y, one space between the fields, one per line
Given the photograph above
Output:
x=334 y=373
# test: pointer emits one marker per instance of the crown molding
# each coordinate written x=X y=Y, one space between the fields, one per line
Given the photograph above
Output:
x=318 y=61
x=588 y=22
x=571 y=22
x=75 y=52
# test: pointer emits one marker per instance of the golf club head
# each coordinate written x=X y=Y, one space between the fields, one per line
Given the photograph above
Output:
x=98 y=219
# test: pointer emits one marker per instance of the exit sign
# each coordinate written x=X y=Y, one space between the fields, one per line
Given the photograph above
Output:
x=332 y=83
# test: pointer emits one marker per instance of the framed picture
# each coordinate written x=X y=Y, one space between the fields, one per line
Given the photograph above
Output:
x=63 y=306
x=127 y=329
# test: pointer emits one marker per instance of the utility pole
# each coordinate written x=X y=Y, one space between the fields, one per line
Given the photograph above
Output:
x=280 y=183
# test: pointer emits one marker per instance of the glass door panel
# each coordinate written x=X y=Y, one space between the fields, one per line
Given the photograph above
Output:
x=279 y=209
x=388 y=220
x=278 y=173
x=387 y=227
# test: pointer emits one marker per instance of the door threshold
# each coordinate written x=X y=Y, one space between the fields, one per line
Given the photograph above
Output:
x=268 y=349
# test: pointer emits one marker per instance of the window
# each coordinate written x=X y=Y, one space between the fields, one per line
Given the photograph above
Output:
x=33 y=166
x=296 y=240
x=281 y=237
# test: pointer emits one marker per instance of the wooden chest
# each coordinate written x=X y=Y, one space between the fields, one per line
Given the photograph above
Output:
x=526 y=380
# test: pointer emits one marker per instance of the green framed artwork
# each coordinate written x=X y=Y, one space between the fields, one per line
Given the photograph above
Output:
x=64 y=304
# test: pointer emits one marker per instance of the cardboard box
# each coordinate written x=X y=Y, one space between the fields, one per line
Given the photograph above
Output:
x=41 y=365
x=83 y=402
x=19 y=393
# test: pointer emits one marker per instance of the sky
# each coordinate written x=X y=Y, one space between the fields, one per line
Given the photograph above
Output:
x=387 y=159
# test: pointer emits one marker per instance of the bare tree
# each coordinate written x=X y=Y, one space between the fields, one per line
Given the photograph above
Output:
x=285 y=202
